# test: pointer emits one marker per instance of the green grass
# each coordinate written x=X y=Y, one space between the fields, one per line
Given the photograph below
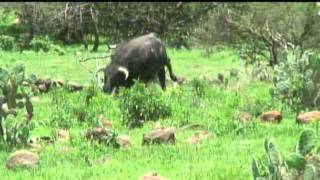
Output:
x=227 y=154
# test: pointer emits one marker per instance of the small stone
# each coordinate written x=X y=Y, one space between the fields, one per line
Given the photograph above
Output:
x=245 y=117
x=271 y=116
x=124 y=141
x=105 y=122
x=158 y=136
x=151 y=176
x=308 y=117
x=199 y=137
x=63 y=135
x=23 y=159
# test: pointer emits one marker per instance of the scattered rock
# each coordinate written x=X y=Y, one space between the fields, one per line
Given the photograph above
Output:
x=100 y=161
x=199 y=137
x=105 y=122
x=58 y=83
x=23 y=159
x=245 y=117
x=74 y=87
x=42 y=88
x=308 y=117
x=35 y=99
x=151 y=176
x=158 y=136
x=271 y=116
x=234 y=72
x=100 y=135
x=157 y=125
x=33 y=144
x=63 y=135
x=220 y=77
x=124 y=141
x=181 y=80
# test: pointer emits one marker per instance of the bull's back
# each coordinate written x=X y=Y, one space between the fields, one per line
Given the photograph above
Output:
x=143 y=56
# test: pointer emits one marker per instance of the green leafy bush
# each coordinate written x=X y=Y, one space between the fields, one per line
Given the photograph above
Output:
x=17 y=131
x=13 y=96
x=41 y=43
x=140 y=103
x=58 y=49
x=295 y=81
x=6 y=42
x=84 y=107
x=199 y=87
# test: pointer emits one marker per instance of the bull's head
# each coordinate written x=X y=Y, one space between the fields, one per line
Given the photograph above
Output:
x=114 y=76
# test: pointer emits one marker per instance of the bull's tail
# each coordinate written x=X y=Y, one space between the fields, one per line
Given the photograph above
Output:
x=172 y=75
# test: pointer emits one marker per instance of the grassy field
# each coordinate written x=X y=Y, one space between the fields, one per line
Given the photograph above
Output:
x=227 y=154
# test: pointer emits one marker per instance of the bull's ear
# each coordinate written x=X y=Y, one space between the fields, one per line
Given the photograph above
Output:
x=124 y=71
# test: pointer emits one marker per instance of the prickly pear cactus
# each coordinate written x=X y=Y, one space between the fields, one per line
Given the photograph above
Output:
x=13 y=95
x=301 y=165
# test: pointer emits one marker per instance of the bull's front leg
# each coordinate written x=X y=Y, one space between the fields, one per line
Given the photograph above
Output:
x=162 y=78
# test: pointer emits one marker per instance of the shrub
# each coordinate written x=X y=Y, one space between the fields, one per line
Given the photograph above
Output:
x=41 y=43
x=58 y=49
x=6 y=42
x=295 y=80
x=140 y=103
x=84 y=107
x=199 y=87
x=13 y=95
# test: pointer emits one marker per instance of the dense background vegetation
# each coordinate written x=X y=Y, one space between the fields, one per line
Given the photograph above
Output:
x=237 y=58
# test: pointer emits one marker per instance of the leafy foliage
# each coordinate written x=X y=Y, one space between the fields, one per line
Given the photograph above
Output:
x=6 y=42
x=41 y=43
x=295 y=80
x=83 y=107
x=140 y=103
x=14 y=95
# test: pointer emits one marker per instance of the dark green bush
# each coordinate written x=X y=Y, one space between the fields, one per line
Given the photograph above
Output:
x=6 y=42
x=84 y=107
x=199 y=87
x=296 y=80
x=41 y=43
x=58 y=49
x=140 y=103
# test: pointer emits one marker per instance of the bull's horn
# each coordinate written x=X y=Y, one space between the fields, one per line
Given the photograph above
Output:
x=125 y=71
x=112 y=46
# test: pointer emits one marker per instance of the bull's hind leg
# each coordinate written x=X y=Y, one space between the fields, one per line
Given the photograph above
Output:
x=162 y=78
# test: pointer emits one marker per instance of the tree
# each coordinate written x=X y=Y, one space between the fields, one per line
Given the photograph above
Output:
x=265 y=28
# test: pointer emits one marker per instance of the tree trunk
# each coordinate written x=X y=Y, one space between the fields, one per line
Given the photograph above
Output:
x=81 y=32
x=273 y=54
x=96 y=30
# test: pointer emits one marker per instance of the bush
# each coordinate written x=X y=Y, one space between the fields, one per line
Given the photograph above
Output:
x=41 y=43
x=58 y=49
x=84 y=107
x=295 y=82
x=6 y=43
x=199 y=87
x=140 y=103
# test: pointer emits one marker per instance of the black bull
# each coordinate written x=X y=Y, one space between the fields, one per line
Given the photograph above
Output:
x=142 y=58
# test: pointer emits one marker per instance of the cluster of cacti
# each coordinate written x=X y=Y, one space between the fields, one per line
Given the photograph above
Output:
x=13 y=95
x=302 y=164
